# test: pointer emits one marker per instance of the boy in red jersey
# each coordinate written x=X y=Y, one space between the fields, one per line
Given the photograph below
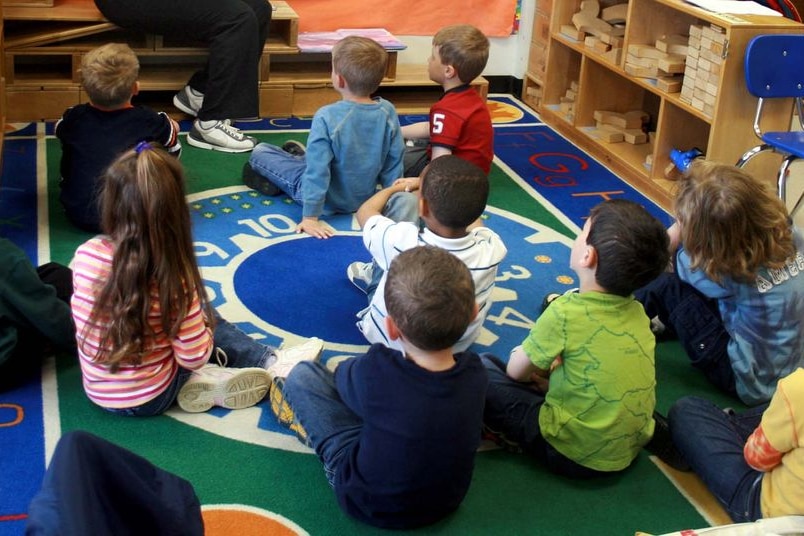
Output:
x=460 y=122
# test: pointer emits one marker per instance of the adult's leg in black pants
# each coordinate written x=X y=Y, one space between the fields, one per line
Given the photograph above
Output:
x=235 y=31
x=96 y=487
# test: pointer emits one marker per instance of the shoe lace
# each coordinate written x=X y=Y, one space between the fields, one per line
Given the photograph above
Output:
x=221 y=357
x=226 y=126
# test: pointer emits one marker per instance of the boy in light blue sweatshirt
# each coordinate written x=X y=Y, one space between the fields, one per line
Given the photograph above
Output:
x=354 y=144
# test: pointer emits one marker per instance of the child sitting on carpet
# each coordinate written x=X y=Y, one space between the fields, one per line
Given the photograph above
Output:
x=736 y=298
x=460 y=122
x=451 y=199
x=397 y=431
x=579 y=393
x=354 y=144
x=753 y=462
x=34 y=308
x=94 y=134
x=144 y=324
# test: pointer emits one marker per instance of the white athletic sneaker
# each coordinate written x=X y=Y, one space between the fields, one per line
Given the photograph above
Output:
x=359 y=273
x=287 y=358
x=221 y=136
x=230 y=388
x=188 y=100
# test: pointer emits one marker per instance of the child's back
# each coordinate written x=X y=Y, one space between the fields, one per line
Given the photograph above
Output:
x=352 y=148
x=92 y=135
x=415 y=456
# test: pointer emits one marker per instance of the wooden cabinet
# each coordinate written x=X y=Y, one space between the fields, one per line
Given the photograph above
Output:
x=720 y=122
x=44 y=45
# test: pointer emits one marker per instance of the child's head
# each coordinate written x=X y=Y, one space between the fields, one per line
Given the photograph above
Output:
x=144 y=212
x=454 y=190
x=464 y=47
x=430 y=295
x=731 y=225
x=108 y=74
x=361 y=62
x=631 y=246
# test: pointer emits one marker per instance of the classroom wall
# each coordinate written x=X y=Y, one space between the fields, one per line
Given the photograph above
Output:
x=508 y=56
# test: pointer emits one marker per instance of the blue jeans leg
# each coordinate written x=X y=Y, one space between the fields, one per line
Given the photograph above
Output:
x=333 y=429
x=402 y=206
x=241 y=350
x=695 y=320
x=711 y=441
x=280 y=167
x=512 y=409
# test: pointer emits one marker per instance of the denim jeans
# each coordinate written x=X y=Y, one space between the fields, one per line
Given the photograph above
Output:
x=695 y=320
x=241 y=352
x=333 y=429
x=711 y=440
x=283 y=169
x=512 y=409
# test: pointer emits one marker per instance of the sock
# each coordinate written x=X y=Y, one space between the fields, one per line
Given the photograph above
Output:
x=206 y=125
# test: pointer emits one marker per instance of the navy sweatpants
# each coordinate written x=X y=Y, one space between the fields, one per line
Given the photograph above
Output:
x=95 y=487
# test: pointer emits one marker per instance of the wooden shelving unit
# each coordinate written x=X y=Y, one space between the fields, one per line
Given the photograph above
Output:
x=603 y=84
x=44 y=45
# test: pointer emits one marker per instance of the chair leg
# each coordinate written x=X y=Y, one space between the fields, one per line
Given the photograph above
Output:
x=784 y=172
x=751 y=153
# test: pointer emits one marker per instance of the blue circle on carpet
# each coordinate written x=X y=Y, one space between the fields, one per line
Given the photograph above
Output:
x=279 y=285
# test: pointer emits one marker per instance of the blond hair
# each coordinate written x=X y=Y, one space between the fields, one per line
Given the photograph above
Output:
x=108 y=74
x=465 y=48
x=362 y=62
x=731 y=225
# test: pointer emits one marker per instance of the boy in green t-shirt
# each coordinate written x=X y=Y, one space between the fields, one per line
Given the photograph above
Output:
x=579 y=393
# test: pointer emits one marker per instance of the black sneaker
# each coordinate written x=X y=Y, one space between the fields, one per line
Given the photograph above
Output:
x=550 y=298
x=661 y=444
x=255 y=181
x=296 y=148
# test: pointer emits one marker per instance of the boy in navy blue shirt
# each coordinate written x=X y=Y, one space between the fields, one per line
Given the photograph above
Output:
x=397 y=432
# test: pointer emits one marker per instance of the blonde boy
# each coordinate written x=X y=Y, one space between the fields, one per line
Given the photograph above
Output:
x=353 y=145
x=94 y=134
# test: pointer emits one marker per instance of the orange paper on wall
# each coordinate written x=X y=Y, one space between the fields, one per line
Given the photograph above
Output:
x=405 y=17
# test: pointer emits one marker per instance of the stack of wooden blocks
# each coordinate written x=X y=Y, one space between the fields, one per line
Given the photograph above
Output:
x=615 y=127
x=599 y=29
x=707 y=48
x=664 y=62
x=567 y=102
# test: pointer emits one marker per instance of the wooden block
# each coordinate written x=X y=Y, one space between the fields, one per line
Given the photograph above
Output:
x=641 y=72
x=614 y=14
x=613 y=40
x=609 y=136
x=671 y=172
x=601 y=47
x=668 y=43
x=635 y=136
x=669 y=84
x=696 y=30
x=572 y=32
x=590 y=40
x=615 y=55
x=636 y=61
x=586 y=22
x=534 y=91
x=631 y=119
x=646 y=51
x=672 y=65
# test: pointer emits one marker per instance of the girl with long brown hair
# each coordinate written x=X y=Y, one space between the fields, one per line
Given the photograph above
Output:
x=144 y=326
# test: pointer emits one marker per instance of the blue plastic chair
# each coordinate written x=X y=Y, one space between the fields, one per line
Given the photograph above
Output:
x=774 y=69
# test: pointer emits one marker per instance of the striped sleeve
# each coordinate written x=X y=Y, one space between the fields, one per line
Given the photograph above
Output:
x=759 y=453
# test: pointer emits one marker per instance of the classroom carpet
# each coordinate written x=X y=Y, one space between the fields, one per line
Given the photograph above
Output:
x=252 y=475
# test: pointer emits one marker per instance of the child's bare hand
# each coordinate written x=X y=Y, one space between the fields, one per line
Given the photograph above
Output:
x=315 y=227
x=410 y=184
x=540 y=383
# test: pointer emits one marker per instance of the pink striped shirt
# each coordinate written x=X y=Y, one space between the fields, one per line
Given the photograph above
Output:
x=131 y=385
